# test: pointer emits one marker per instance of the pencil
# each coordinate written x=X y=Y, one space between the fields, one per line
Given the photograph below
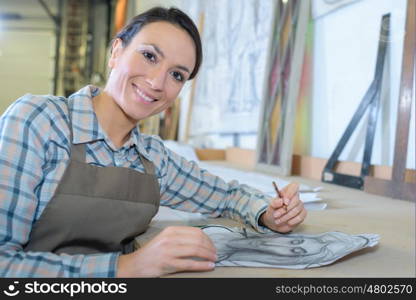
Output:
x=279 y=194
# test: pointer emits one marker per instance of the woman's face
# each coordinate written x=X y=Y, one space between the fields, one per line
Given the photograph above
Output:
x=149 y=73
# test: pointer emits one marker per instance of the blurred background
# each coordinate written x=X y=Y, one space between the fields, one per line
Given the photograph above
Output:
x=58 y=46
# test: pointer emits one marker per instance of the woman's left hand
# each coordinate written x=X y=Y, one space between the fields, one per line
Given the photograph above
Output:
x=284 y=214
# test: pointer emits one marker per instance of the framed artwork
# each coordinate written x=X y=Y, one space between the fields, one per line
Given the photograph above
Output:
x=169 y=121
x=225 y=103
x=282 y=84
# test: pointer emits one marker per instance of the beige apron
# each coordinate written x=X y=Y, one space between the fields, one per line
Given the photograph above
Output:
x=96 y=209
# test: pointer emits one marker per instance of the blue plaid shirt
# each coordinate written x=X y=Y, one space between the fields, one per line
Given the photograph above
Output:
x=34 y=152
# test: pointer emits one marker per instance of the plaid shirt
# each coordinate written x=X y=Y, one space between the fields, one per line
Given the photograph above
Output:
x=34 y=152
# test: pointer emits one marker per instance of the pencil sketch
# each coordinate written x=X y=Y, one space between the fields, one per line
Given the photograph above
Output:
x=230 y=81
x=239 y=247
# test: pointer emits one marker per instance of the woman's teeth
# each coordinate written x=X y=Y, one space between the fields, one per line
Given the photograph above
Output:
x=144 y=97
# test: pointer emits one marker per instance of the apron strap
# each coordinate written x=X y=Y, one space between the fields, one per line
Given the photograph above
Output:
x=78 y=152
x=148 y=165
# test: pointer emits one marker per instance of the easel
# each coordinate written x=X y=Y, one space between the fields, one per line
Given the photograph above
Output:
x=397 y=187
x=371 y=101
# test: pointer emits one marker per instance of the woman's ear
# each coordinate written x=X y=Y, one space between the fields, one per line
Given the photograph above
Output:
x=116 y=49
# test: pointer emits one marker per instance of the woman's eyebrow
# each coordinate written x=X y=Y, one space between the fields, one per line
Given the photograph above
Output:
x=183 y=68
x=157 y=49
x=160 y=52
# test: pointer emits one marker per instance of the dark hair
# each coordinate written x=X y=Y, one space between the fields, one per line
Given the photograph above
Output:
x=171 y=15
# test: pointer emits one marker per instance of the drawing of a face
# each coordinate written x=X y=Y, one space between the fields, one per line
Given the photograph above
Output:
x=280 y=245
x=287 y=250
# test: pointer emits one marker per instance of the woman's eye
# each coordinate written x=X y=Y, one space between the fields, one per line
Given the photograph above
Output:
x=178 y=76
x=299 y=250
x=149 y=56
x=296 y=242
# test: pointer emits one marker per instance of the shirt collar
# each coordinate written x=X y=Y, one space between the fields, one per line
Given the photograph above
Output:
x=138 y=140
x=85 y=124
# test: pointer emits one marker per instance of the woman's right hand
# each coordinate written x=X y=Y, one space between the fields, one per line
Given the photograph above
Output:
x=175 y=249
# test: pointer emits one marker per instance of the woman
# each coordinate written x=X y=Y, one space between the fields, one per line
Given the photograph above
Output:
x=78 y=181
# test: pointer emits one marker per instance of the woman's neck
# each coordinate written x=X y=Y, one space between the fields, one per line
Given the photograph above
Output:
x=112 y=119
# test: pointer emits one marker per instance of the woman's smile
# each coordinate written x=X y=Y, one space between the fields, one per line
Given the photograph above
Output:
x=143 y=97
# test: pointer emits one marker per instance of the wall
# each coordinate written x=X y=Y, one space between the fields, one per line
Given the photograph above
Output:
x=345 y=46
x=345 y=51
x=20 y=42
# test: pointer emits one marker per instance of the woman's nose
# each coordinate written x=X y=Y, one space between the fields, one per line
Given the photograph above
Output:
x=156 y=78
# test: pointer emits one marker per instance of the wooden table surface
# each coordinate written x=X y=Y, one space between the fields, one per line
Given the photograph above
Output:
x=354 y=212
